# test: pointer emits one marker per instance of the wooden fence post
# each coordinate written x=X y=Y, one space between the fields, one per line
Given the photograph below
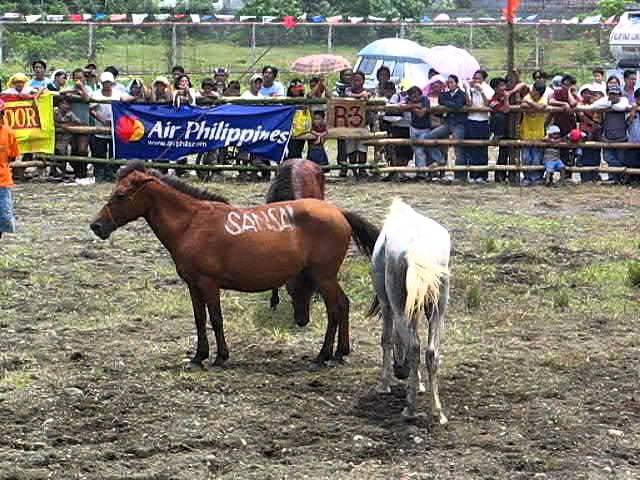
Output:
x=174 y=45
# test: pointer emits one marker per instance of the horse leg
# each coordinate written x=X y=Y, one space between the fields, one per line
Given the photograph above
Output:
x=200 y=317
x=275 y=299
x=384 y=386
x=301 y=288
x=432 y=356
x=215 y=314
x=413 y=381
x=344 y=345
x=332 y=295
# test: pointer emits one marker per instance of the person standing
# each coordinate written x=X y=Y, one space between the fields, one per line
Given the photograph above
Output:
x=629 y=89
x=344 y=80
x=102 y=142
x=419 y=107
x=39 y=81
x=357 y=149
x=8 y=153
x=532 y=128
x=455 y=100
x=270 y=86
x=632 y=157
x=477 y=128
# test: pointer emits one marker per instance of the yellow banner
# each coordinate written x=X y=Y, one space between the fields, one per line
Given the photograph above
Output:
x=32 y=120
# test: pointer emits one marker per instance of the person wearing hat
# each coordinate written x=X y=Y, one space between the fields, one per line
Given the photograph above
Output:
x=102 y=146
x=58 y=80
x=8 y=153
x=220 y=77
x=18 y=85
x=551 y=157
x=255 y=85
x=39 y=81
x=161 y=90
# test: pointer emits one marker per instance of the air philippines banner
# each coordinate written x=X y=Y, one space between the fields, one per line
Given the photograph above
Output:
x=31 y=117
x=153 y=132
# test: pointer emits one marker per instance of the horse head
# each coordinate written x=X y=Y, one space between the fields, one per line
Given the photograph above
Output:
x=125 y=204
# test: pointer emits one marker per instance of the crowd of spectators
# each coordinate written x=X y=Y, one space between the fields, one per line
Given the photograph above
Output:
x=598 y=111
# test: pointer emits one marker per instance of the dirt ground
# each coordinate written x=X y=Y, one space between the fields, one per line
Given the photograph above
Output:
x=540 y=365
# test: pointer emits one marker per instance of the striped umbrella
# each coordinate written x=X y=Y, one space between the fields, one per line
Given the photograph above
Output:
x=320 y=64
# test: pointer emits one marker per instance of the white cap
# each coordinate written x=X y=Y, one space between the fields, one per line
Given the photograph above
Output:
x=553 y=129
x=107 y=77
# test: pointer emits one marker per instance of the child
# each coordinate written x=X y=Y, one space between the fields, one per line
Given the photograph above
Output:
x=552 y=162
x=64 y=117
x=532 y=128
x=316 y=152
x=8 y=154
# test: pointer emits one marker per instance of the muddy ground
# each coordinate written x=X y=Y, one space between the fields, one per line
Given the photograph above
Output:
x=540 y=366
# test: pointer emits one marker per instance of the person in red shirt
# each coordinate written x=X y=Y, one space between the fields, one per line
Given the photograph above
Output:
x=8 y=153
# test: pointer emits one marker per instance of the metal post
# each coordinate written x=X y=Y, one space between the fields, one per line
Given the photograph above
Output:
x=330 y=39
x=471 y=37
x=174 y=45
x=92 y=42
x=402 y=30
x=1 y=44
x=510 y=47
x=253 y=42
x=537 y=47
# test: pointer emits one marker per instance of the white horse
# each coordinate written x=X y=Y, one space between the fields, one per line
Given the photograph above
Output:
x=411 y=278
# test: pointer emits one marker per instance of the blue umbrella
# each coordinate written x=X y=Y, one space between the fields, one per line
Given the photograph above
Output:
x=398 y=49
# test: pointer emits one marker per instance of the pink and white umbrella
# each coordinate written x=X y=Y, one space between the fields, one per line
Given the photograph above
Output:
x=450 y=60
x=320 y=64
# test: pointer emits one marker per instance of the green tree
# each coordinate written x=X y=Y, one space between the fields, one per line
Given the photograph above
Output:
x=607 y=8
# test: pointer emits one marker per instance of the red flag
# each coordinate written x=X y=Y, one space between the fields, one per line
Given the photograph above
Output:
x=289 y=22
x=510 y=10
x=76 y=17
x=179 y=16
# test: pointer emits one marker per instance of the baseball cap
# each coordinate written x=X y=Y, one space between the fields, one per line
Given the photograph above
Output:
x=552 y=129
x=614 y=89
x=592 y=87
x=107 y=77
x=255 y=77
x=575 y=135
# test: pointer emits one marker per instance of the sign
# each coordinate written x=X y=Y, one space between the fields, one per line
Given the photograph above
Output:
x=347 y=117
x=31 y=118
x=152 y=132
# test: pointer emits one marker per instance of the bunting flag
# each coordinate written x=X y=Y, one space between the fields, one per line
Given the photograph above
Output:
x=356 y=19
x=55 y=18
x=289 y=22
x=32 y=18
x=375 y=19
x=426 y=19
x=118 y=17
x=12 y=16
x=75 y=17
x=442 y=17
x=100 y=16
x=195 y=18
x=464 y=19
x=138 y=18
x=510 y=10
x=268 y=19
x=594 y=20
x=225 y=18
x=303 y=17
x=317 y=19
x=244 y=18
x=179 y=16
x=335 y=19
x=167 y=3
x=86 y=17
x=161 y=17
x=207 y=18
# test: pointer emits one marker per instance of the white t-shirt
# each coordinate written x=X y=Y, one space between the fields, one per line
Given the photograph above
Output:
x=277 y=88
x=478 y=101
x=248 y=94
x=104 y=109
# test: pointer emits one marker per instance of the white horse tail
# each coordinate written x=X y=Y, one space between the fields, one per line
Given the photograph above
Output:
x=423 y=281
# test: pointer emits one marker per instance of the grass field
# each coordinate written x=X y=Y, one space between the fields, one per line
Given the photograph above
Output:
x=540 y=363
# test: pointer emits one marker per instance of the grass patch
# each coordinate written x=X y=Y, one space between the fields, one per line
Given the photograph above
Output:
x=17 y=380
x=633 y=273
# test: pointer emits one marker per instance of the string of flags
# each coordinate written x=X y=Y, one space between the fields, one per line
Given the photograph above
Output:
x=289 y=21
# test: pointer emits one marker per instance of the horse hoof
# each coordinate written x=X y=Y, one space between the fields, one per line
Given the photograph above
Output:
x=442 y=420
x=341 y=359
x=218 y=362
x=409 y=414
x=194 y=366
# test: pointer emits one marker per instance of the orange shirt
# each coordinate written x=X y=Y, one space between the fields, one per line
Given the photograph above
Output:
x=8 y=149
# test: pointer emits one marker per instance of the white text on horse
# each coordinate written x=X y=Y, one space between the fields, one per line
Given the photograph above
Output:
x=276 y=219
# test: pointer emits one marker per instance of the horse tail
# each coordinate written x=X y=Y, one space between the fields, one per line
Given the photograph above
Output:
x=363 y=233
x=422 y=281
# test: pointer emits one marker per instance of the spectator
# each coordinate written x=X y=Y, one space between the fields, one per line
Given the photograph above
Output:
x=418 y=105
x=516 y=91
x=137 y=90
x=614 y=127
x=64 y=117
x=161 y=90
x=233 y=89
x=590 y=123
x=220 y=77
x=58 y=80
x=454 y=99
x=255 y=85
x=317 y=89
x=270 y=86
x=383 y=75
x=437 y=85
x=39 y=81
x=8 y=153
x=91 y=77
x=397 y=125
x=356 y=149
x=176 y=72
x=316 y=152
x=598 y=77
x=567 y=98
x=18 y=85
x=551 y=157
x=344 y=80
x=103 y=144
x=613 y=81
x=499 y=105
x=79 y=143
x=477 y=127
x=632 y=157
x=183 y=93
x=301 y=120
x=208 y=89
x=532 y=128
x=629 y=89
x=117 y=85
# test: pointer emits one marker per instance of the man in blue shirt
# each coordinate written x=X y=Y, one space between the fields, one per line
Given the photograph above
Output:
x=38 y=82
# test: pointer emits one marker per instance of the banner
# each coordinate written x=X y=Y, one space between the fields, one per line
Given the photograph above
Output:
x=152 y=132
x=32 y=120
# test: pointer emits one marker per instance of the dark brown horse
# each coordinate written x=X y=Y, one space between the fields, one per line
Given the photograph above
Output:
x=218 y=246
x=296 y=178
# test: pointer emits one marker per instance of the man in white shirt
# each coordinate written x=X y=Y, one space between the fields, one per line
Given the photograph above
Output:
x=477 y=128
x=270 y=86
x=255 y=86
x=102 y=146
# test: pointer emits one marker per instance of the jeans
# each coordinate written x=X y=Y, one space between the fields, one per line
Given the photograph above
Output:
x=103 y=148
x=456 y=131
x=477 y=156
x=590 y=158
x=615 y=158
x=424 y=155
x=532 y=157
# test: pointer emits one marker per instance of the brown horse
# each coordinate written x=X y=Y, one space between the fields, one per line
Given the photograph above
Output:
x=218 y=246
x=296 y=178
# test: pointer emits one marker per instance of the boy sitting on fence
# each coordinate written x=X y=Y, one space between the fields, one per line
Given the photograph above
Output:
x=552 y=162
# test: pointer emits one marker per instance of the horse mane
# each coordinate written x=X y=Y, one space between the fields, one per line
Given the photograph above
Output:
x=280 y=189
x=171 y=181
